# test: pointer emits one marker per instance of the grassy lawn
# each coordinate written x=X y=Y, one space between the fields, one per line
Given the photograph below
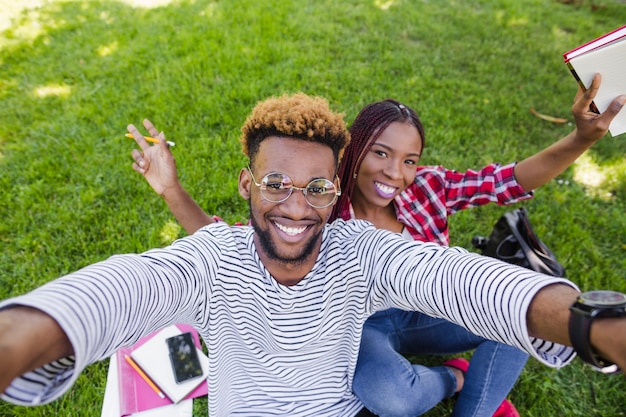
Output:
x=74 y=74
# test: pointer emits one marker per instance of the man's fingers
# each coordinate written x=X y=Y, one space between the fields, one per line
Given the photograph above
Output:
x=155 y=133
x=162 y=142
x=150 y=127
x=137 y=136
x=138 y=169
x=139 y=161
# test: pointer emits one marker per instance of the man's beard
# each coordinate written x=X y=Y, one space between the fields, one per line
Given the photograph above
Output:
x=269 y=247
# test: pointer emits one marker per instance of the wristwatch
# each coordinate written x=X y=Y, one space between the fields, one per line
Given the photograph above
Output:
x=588 y=307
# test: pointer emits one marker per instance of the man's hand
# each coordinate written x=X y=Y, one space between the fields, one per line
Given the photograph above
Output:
x=156 y=163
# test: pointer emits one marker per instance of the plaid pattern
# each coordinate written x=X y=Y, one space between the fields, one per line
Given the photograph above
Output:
x=438 y=192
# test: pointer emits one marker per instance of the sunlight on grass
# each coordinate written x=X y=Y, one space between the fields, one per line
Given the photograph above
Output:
x=106 y=50
x=106 y=17
x=149 y=4
x=384 y=5
x=23 y=22
x=599 y=181
x=30 y=29
x=522 y=21
x=559 y=33
x=52 y=90
x=588 y=173
x=169 y=232
x=12 y=8
x=511 y=21
x=209 y=11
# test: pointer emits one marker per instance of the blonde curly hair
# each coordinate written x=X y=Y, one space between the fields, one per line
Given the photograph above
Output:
x=295 y=116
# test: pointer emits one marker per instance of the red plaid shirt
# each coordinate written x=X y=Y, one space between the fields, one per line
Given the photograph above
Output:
x=438 y=192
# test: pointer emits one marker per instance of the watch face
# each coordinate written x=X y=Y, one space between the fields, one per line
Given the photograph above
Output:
x=603 y=298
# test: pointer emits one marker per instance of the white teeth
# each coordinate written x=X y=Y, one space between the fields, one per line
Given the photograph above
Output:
x=385 y=189
x=291 y=231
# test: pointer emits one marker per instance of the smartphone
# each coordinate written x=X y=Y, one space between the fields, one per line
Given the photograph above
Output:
x=184 y=357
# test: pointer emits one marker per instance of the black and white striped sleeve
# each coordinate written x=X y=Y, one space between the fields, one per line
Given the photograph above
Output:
x=486 y=296
x=141 y=292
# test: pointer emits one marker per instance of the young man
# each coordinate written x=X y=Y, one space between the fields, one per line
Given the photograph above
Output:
x=281 y=304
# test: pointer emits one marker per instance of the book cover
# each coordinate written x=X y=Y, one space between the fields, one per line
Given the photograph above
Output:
x=607 y=56
x=610 y=37
x=135 y=393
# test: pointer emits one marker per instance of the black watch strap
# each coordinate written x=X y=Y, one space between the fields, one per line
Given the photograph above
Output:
x=579 y=329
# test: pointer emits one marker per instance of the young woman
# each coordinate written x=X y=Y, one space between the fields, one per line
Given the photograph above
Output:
x=382 y=183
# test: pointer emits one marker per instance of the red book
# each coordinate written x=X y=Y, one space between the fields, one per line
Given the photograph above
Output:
x=603 y=40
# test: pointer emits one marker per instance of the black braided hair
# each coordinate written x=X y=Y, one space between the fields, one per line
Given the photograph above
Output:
x=369 y=124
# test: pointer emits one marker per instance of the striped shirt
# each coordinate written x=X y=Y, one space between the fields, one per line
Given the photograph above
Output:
x=277 y=350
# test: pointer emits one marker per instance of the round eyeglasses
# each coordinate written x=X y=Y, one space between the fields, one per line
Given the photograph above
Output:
x=276 y=188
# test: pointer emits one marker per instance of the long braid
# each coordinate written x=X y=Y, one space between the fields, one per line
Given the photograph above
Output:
x=368 y=125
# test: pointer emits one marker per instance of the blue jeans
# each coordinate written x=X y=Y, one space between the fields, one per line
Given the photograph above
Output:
x=389 y=385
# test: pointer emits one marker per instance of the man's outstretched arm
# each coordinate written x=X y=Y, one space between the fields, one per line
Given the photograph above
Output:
x=29 y=338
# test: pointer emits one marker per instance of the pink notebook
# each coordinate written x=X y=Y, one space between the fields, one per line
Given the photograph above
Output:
x=135 y=393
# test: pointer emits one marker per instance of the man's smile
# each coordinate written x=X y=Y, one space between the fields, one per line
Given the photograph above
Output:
x=290 y=230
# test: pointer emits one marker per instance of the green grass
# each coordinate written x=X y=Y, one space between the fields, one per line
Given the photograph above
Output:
x=74 y=74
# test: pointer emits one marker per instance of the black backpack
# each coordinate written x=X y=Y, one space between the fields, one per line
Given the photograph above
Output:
x=513 y=240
